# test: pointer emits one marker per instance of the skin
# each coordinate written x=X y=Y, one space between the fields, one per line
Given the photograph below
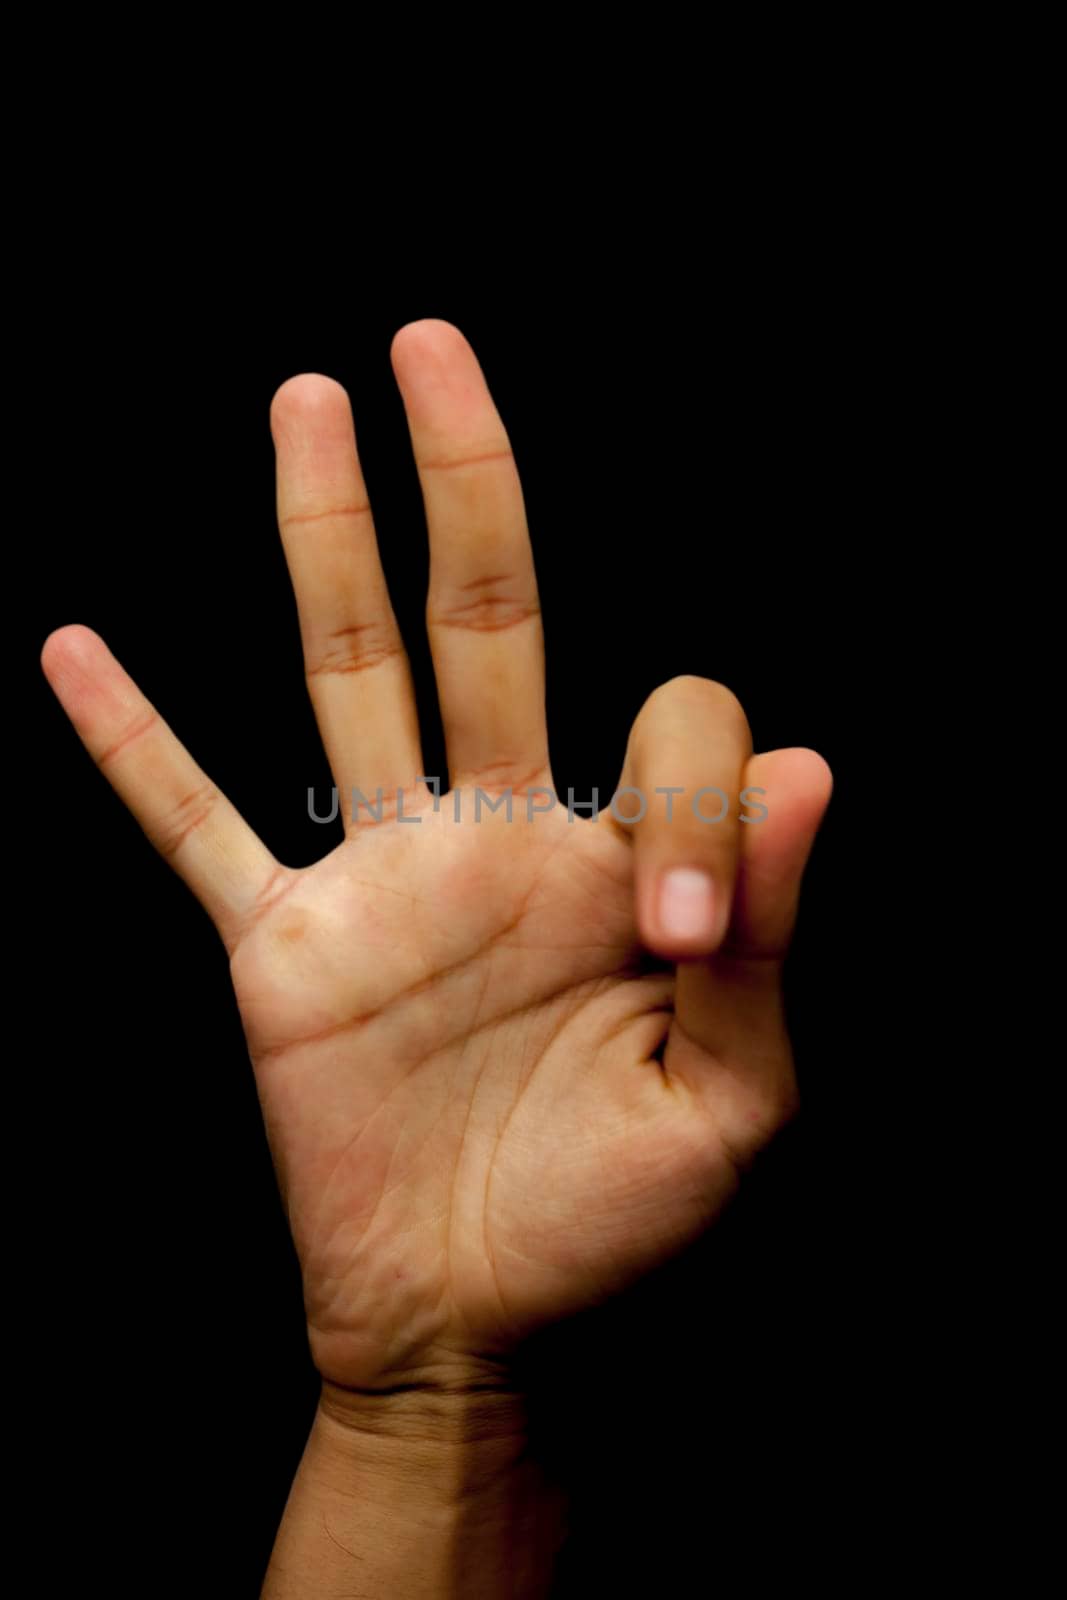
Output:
x=499 y=1080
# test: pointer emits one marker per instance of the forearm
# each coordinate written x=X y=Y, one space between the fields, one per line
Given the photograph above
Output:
x=421 y=1495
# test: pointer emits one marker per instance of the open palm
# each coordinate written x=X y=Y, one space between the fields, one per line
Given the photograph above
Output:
x=509 y=1056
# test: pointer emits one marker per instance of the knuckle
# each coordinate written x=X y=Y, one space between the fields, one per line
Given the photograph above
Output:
x=516 y=774
x=357 y=648
x=133 y=735
x=497 y=451
x=486 y=604
x=185 y=817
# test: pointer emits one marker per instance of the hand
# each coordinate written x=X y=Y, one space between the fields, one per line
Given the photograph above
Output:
x=488 y=1107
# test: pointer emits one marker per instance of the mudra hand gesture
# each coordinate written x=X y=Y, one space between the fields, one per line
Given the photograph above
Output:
x=488 y=1108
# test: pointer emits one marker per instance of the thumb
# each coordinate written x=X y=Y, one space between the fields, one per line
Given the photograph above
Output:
x=794 y=788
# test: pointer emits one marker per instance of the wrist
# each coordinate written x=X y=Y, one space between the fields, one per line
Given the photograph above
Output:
x=423 y=1489
x=448 y=1436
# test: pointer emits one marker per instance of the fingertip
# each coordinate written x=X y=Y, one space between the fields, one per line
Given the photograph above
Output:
x=816 y=769
x=433 y=358
x=422 y=335
x=307 y=397
x=70 y=646
x=797 y=776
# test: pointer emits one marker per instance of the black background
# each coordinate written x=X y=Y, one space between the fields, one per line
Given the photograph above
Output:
x=717 y=454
